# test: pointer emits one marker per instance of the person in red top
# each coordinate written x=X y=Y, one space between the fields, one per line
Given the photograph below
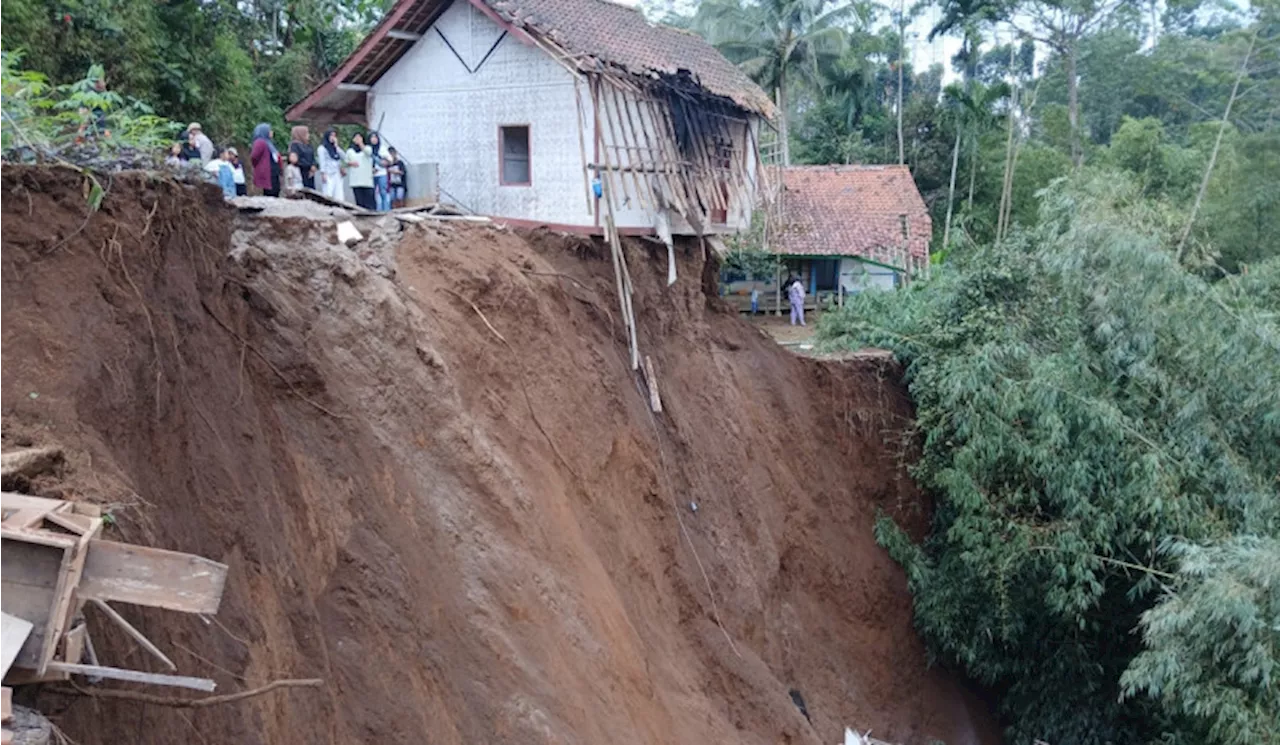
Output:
x=266 y=161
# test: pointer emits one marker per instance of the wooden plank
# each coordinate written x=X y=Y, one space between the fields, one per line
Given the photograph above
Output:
x=74 y=522
x=14 y=501
x=73 y=644
x=29 y=584
x=655 y=401
x=32 y=517
x=73 y=563
x=88 y=509
x=128 y=628
x=13 y=634
x=153 y=577
x=42 y=537
x=134 y=676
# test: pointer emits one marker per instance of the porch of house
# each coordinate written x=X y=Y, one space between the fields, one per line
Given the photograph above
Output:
x=827 y=281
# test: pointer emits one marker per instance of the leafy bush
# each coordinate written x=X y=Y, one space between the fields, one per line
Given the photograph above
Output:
x=1084 y=399
x=80 y=121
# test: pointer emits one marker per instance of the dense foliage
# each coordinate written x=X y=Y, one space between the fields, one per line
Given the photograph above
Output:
x=1101 y=429
x=79 y=120
x=227 y=65
x=1170 y=66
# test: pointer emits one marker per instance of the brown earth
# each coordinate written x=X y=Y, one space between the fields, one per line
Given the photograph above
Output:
x=470 y=538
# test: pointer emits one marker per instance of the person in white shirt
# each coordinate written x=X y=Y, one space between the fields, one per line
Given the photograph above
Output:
x=360 y=172
x=332 y=166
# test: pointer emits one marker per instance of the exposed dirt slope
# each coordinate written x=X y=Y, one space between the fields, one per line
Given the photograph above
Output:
x=471 y=540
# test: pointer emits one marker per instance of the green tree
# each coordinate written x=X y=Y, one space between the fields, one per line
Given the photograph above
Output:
x=1082 y=398
x=776 y=42
x=1212 y=643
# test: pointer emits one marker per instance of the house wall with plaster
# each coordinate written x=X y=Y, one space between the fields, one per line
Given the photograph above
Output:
x=434 y=109
x=444 y=101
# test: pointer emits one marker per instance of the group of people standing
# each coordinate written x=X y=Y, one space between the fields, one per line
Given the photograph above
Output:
x=222 y=167
x=378 y=179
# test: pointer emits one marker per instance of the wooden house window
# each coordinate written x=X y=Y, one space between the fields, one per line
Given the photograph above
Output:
x=515 y=168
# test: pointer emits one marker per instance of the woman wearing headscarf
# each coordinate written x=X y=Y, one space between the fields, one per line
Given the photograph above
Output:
x=381 y=194
x=266 y=161
x=331 y=164
x=360 y=172
x=300 y=143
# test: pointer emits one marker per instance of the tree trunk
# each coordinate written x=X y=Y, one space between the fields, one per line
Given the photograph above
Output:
x=1217 y=144
x=1073 y=105
x=784 y=133
x=973 y=166
x=1008 y=165
x=951 y=190
x=902 y=49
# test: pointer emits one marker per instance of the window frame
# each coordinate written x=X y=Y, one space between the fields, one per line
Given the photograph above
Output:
x=502 y=154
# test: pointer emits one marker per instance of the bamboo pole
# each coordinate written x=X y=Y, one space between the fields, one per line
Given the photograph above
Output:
x=605 y=95
x=608 y=175
x=644 y=134
x=679 y=186
x=582 y=144
x=628 y=136
x=698 y=139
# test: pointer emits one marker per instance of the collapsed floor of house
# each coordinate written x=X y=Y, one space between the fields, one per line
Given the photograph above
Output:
x=438 y=485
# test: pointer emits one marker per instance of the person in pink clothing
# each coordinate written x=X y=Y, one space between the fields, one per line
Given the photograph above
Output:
x=266 y=161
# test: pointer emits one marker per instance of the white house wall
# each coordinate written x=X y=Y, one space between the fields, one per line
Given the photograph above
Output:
x=432 y=109
x=857 y=275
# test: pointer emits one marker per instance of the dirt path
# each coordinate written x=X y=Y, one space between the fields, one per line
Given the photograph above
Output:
x=471 y=539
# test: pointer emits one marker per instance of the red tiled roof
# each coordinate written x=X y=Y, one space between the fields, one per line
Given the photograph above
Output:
x=853 y=211
x=619 y=35
x=596 y=34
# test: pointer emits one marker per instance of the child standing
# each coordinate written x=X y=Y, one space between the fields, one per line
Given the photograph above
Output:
x=396 y=177
x=292 y=176
x=220 y=173
x=237 y=172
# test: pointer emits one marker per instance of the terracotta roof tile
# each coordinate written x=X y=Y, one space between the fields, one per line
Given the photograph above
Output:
x=621 y=36
x=853 y=211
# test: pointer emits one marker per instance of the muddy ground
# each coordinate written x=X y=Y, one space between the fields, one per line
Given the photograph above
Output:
x=464 y=519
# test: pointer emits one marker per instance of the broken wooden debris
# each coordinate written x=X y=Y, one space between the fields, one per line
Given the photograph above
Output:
x=316 y=196
x=651 y=378
x=128 y=628
x=14 y=631
x=154 y=577
x=191 y=703
x=134 y=676
x=54 y=562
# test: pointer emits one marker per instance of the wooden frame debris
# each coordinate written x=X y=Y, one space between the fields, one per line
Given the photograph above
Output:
x=54 y=563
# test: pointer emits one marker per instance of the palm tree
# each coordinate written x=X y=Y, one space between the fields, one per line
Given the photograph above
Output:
x=973 y=107
x=776 y=42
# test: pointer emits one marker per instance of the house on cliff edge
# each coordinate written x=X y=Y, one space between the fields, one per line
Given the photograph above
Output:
x=533 y=108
